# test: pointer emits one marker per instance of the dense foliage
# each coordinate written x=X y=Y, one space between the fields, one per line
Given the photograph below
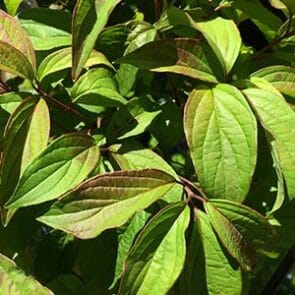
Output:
x=147 y=147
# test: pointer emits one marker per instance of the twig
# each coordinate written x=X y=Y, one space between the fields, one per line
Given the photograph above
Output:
x=272 y=44
x=59 y=104
x=157 y=4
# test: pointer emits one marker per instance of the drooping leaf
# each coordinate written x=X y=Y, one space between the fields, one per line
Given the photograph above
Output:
x=126 y=240
x=281 y=77
x=107 y=201
x=26 y=135
x=97 y=87
x=60 y=167
x=278 y=119
x=219 y=269
x=232 y=239
x=226 y=43
x=15 y=281
x=12 y=6
x=61 y=60
x=253 y=226
x=152 y=268
x=13 y=34
x=181 y=56
x=222 y=136
x=90 y=17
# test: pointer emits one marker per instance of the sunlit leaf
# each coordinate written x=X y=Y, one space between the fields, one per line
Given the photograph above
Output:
x=181 y=56
x=26 y=135
x=62 y=59
x=15 y=281
x=225 y=43
x=107 y=201
x=60 y=167
x=90 y=17
x=278 y=119
x=281 y=77
x=221 y=133
x=12 y=6
x=152 y=268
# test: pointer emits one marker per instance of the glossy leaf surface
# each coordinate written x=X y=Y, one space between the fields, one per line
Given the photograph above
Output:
x=60 y=167
x=221 y=133
x=90 y=17
x=107 y=201
x=154 y=267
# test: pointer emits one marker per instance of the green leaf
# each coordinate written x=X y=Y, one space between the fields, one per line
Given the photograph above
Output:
x=61 y=60
x=224 y=38
x=97 y=88
x=153 y=267
x=14 y=62
x=231 y=238
x=281 y=77
x=132 y=155
x=284 y=4
x=270 y=108
x=253 y=226
x=26 y=135
x=221 y=133
x=59 y=168
x=126 y=240
x=107 y=201
x=9 y=101
x=262 y=17
x=133 y=119
x=219 y=269
x=14 y=40
x=45 y=37
x=15 y=281
x=90 y=17
x=12 y=6
x=183 y=56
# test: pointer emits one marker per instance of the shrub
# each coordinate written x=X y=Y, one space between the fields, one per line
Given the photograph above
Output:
x=147 y=147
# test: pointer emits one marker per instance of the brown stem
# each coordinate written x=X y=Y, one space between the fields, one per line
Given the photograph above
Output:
x=188 y=185
x=272 y=44
x=158 y=9
x=59 y=104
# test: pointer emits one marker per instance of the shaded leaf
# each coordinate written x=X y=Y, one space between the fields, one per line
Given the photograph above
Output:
x=152 y=268
x=281 y=77
x=9 y=101
x=61 y=60
x=181 y=56
x=59 y=168
x=253 y=226
x=107 y=201
x=126 y=240
x=97 y=88
x=15 y=281
x=278 y=119
x=90 y=17
x=221 y=133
